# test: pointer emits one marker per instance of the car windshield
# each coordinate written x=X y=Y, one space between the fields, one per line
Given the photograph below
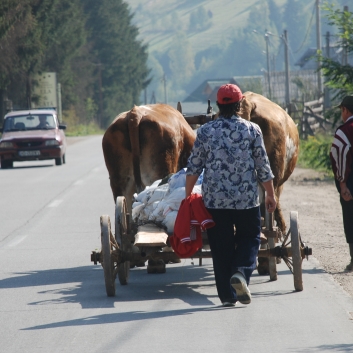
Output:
x=30 y=122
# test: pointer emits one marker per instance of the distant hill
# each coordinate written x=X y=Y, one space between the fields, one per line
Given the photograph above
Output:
x=193 y=40
x=154 y=19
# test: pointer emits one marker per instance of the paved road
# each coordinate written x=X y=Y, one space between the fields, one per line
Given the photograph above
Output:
x=52 y=299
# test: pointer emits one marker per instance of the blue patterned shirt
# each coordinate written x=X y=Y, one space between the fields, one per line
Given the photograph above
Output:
x=233 y=156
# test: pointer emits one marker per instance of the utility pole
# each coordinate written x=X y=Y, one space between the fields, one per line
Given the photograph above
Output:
x=318 y=46
x=286 y=65
x=100 y=94
x=268 y=65
x=164 y=79
x=327 y=101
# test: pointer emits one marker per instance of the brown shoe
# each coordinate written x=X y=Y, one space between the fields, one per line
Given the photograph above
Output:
x=349 y=267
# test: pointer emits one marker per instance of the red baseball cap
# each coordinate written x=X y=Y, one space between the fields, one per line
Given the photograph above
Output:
x=229 y=93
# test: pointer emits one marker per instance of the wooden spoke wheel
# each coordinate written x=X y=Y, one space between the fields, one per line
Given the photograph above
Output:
x=107 y=262
x=272 y=261
x=121 y=237
x=293 y=239
x=267 y=265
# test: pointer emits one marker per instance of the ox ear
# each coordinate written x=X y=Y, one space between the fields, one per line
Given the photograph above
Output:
x=245 y=109
x=179 y=109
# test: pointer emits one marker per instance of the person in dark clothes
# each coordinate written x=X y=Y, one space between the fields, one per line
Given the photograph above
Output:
x=342 y=165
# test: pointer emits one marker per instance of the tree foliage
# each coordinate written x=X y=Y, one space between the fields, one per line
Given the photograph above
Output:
x=339 y=76
x=119 y=56
x=200 y=19
x=91 y=45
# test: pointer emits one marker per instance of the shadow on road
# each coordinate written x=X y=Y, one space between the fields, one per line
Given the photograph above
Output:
x=85 y=285
x=328 y=348
x=129 y=316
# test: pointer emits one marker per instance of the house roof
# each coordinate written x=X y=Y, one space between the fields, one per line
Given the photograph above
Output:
x=192 y=108
x=208 y=90
x=200 y=95
x=307 y=60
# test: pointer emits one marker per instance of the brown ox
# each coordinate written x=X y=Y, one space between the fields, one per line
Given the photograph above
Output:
x=143 y=145
x=281 y=140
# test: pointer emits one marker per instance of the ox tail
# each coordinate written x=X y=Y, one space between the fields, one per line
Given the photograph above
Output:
x=133 y=119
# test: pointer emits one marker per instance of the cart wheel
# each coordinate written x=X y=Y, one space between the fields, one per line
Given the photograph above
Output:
x=121 y=237
x=296 y=253
x=272 y=261
x=108 y=264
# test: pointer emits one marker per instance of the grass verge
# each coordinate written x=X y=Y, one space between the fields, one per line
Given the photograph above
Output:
x=314 y=153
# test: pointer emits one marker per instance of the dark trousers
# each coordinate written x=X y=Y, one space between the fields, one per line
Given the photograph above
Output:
x=233 y=252
x=347 y=212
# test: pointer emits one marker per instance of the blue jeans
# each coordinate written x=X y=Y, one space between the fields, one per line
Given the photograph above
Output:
x=233 y=251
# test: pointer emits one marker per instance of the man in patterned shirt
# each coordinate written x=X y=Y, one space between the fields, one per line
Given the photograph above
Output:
x=342 y=165
x=232 y=153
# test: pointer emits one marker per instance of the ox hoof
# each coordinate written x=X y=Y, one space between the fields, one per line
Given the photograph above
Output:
x=263 y=266
x=156 y=266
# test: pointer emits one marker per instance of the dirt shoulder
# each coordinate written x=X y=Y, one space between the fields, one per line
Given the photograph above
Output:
x=316 y=199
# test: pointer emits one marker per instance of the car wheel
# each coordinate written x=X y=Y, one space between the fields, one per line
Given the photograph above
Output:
x=64 y=158
x=6 y=164
x=59 y=161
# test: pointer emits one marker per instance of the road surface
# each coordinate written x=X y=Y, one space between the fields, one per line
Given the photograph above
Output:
x=52 y=298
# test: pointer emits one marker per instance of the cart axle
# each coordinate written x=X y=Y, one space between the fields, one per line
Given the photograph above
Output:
x=120 y=256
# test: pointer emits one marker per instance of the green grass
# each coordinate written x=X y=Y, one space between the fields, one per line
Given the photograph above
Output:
x=315 y=153
x=84 y=130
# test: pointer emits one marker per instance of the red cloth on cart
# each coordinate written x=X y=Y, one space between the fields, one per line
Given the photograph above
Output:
x=191 y=219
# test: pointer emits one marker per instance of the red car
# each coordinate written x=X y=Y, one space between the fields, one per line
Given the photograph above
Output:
x=29 y=135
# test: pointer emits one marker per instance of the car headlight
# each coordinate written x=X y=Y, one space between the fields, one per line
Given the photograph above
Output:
x=6 y=144
x=52 y=143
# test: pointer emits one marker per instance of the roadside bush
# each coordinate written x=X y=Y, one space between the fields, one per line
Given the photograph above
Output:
x=75 y=127
x=315 y=153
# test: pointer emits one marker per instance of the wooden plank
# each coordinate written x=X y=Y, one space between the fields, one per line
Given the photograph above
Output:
x=198 y=119
x=317 y=110
x=319 y=101
x=150 y=235
x=318 y=118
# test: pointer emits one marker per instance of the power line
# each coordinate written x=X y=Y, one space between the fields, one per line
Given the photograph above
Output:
x=307 y=30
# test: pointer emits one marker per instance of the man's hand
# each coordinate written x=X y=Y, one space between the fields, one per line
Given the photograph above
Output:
x=270 y=203
x=345 y=193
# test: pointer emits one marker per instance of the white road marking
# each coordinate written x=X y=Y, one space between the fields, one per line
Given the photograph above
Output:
x=96 y=169
x=16 y=241
x=78 y=182
x=55 y=203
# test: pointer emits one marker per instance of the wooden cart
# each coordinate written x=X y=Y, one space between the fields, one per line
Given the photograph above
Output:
x=136 y=244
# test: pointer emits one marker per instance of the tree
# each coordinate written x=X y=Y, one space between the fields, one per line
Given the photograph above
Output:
x=339 y=76
x=200 y=20
x=15 y=21
x=38 y=35
x=120 y=58
x=64 y=36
